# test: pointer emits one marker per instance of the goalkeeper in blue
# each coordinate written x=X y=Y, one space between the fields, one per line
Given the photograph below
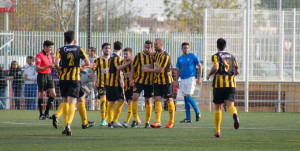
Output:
x=186 y=69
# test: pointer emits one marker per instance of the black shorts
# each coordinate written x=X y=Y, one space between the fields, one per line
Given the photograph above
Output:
x=101 y=91
x=148 y=89
x=45 y=82
x=165 y=90
x=71 y=88
x=128 y=94
x=114 y=93
x=223 y=94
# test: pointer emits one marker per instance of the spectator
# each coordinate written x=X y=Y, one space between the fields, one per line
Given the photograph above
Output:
x=15 y=74
x=30 y=76
x=56 y=83
x=3 y=85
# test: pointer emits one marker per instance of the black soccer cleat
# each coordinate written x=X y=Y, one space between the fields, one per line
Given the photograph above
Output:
x=147 y=125
x=68 y=130
x=54 y=121
x=186 y=120
x=236 y=120
x=110 y=125
x=88 y=125
x=198 y=116
x=48 y=116
x=42 y=117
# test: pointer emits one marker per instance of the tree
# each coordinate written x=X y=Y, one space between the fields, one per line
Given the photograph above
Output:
x=190 y=12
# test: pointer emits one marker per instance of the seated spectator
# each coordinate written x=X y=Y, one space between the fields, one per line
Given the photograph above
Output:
x=15 y=74
x=30 y=76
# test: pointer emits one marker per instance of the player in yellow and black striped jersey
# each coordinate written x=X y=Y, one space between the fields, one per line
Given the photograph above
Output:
x=70 y=85
x=126 y=69
x=224 y=69
x=142 y=81
x=162 y=83
x=102 y=70
x=114 y=90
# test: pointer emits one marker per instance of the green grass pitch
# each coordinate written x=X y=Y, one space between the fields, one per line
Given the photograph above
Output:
x=21 y=130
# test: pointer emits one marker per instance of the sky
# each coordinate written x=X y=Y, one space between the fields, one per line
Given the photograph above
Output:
x=148 y=7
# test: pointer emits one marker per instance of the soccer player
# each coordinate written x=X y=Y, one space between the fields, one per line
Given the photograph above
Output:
x=126 y=69
x=102 y=68
x=224 y=69
x=142 y=81
x=162 y=83
x=186 y=69
x=114 y=90
x=43 y=65
x=70 y=85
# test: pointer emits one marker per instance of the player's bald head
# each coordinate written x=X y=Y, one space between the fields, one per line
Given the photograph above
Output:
x=159 y=40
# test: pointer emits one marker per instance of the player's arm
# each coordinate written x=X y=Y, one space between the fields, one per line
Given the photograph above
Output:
x=85 y=59
x=120 y=67
x=237 y=68
x=161 y=66
x=199 y=74
x=57 y=60
x=215 y=67
x=177 y=77
x=131 y=75
x=92 y=76
x=121 y=79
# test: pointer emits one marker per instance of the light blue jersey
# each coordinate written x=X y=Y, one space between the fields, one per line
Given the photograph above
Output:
x=187 y=65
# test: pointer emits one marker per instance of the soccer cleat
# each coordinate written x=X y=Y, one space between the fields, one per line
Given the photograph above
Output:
x=117 y=124
x=54 y=121
x=88 y=125
x=170 y=125
x=64 y=132
x=236 y=124
x=186 y=120
x=147 y=125
x=156 y=125
x=109 y=125
x=68 y=130
x=48 y=116
x=217 y=134
x=42 y=117
x=125 y=124
x=198 y=116
x=103 y=123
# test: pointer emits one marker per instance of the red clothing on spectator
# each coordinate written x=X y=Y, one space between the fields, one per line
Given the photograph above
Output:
x=43 y=59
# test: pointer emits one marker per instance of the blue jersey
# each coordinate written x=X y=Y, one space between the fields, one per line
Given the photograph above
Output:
x=187 y=65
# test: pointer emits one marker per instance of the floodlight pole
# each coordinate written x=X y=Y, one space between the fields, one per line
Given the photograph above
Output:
x=77 y=22
x=247 y=56
x=6 y=29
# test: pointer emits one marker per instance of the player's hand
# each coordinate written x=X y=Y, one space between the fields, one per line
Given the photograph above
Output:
x=129 y=62
x=82 y=67
x=152 y=53
x=199 y=81
x=122 y=83
x=145 y=69
x=177 y=84
x=207 y=77
x=50 y=66
x=131 y=83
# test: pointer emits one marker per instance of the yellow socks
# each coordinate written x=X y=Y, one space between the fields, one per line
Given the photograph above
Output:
x=102 y=107
x=129 y=113
x=171 y=107
x=106 y=111
x=135 y=110
x=60 y=110
x=148 y=112
x=71 y=113
x=158 y=111
x=232 y=110
x=218 y=119
x=82 y=112
x=118 y=110
x=110 y=112
x=65 y=112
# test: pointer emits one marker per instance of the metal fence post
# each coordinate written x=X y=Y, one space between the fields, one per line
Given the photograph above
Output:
x=247 y=57
x=279 y=97
x=281 y=51
x=205 y=43
x=209 y=96
x=244 y=44
x=294 y=45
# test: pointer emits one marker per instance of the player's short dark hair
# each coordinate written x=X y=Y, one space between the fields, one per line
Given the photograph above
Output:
x=48 y=43
x=149 y=42
x=105 y=44
x=117 y=45
x=221 y=43
x=128 y=49
x=184 y=44
x=69 y=36
x=30 y=57
x=93 y=49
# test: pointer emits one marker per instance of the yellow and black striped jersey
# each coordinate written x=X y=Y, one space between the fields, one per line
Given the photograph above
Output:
x=102 y=68
x=163 y=60
x=140 y=60
x=225 y=76
x=114 y=74
x=126 y=73
x=70 y=61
